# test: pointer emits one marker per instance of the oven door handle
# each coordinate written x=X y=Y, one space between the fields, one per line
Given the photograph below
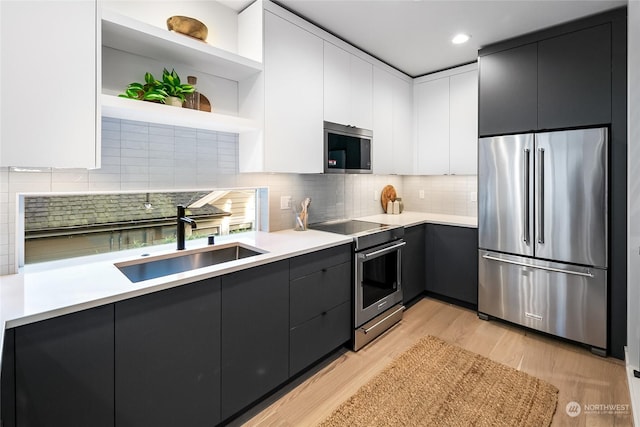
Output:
x=388 y=249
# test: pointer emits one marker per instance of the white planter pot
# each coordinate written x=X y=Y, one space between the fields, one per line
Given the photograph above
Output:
x=173 y=101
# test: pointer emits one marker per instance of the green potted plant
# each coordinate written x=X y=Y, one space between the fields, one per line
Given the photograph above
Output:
x=174 y=89
x=151 y=90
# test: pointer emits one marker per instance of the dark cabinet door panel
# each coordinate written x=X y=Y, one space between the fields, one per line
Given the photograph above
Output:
x=8 y=381
x=255 y=334
x=413 y=263
x=168 y=357
x=317 y=337
x=452 y=262
x=574 y=79
x=64 y=370
x=319 y=292
x=508 y=91
x=304 y=265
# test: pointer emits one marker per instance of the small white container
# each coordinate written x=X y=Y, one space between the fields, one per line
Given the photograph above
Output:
x=389 y=207
x=396 y=207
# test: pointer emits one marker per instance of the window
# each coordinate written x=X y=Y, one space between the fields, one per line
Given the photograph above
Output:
x=65 y=226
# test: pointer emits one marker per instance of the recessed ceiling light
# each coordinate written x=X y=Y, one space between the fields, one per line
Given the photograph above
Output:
x=460 y=38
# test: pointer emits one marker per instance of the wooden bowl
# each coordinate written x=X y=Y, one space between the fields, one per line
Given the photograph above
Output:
x=188 y=26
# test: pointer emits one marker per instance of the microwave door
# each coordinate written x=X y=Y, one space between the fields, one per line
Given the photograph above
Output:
x=337 y=160
x=358 y=155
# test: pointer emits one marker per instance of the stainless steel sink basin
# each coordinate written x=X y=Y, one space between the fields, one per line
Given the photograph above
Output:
x=164 y=265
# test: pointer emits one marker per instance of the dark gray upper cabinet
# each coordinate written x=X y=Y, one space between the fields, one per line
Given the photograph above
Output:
x=413 y=263
x=452 y=263
x=255 y=334
x=557 y=82
x=574 y=79
x=168 y=357
x=508 y=91
x=64 y=370
x=320 y=311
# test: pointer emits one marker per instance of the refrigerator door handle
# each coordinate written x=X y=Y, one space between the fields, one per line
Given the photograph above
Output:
x=539 y=267
x=540 y=201
x=525 y=191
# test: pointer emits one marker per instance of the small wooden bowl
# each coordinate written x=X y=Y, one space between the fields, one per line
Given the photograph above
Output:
x=188 y=26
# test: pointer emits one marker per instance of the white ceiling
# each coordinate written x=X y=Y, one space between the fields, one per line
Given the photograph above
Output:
x=414 y=36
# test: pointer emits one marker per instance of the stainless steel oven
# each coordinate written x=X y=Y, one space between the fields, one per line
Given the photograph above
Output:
x=378 y=290
x=377 y=278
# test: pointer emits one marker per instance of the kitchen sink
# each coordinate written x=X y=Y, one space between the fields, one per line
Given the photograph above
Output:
x=164 y=265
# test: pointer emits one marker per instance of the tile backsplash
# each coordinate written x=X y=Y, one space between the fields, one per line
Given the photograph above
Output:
x=451 y=194
x=140 y=156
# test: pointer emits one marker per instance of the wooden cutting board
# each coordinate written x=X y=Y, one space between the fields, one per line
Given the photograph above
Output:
x=388 y=193
x=205 y=105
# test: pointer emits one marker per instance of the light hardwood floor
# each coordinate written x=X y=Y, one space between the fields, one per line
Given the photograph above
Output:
x=579 y=375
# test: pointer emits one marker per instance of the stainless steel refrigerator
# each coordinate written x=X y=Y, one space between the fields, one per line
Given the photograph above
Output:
x=542 y=228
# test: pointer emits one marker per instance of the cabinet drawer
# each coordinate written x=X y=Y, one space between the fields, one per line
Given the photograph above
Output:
x=316 y=261
x=319 y=336
x=319 y=292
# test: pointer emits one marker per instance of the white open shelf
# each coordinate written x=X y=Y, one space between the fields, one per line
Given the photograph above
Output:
x=131 y=109
x=139 y=38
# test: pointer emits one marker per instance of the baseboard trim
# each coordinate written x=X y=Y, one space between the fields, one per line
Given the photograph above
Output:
x=634 y=389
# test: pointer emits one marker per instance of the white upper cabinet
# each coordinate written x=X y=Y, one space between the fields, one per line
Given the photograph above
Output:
x=290 y=92
x=392 y=124
x=446 y=114
x=463 y=119
x=348 y=88
x=403 y=140
x=432 y=116
x=48 y=111
x=383 y=129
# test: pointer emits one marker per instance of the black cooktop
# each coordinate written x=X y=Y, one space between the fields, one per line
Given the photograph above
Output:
x=365 y=234
x=348 y=226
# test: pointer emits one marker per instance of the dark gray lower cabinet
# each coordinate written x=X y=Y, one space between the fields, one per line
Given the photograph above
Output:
x=193 y=355
x=314 y=339
x=168 y=357
x=8 y=381
x=64 y=370
x=255 y=334
x=413 y=263
x=320 y=305
x=452 y=263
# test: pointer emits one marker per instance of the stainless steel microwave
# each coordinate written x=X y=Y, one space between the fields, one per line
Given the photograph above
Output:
x=347 y=149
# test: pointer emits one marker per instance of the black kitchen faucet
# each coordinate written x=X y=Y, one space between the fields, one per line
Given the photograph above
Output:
x=181 y=221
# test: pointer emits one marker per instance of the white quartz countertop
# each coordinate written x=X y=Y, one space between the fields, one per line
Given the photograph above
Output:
x=407 y=219
x=46 y=290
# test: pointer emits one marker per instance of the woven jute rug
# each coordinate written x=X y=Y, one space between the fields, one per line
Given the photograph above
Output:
x=438 y=384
